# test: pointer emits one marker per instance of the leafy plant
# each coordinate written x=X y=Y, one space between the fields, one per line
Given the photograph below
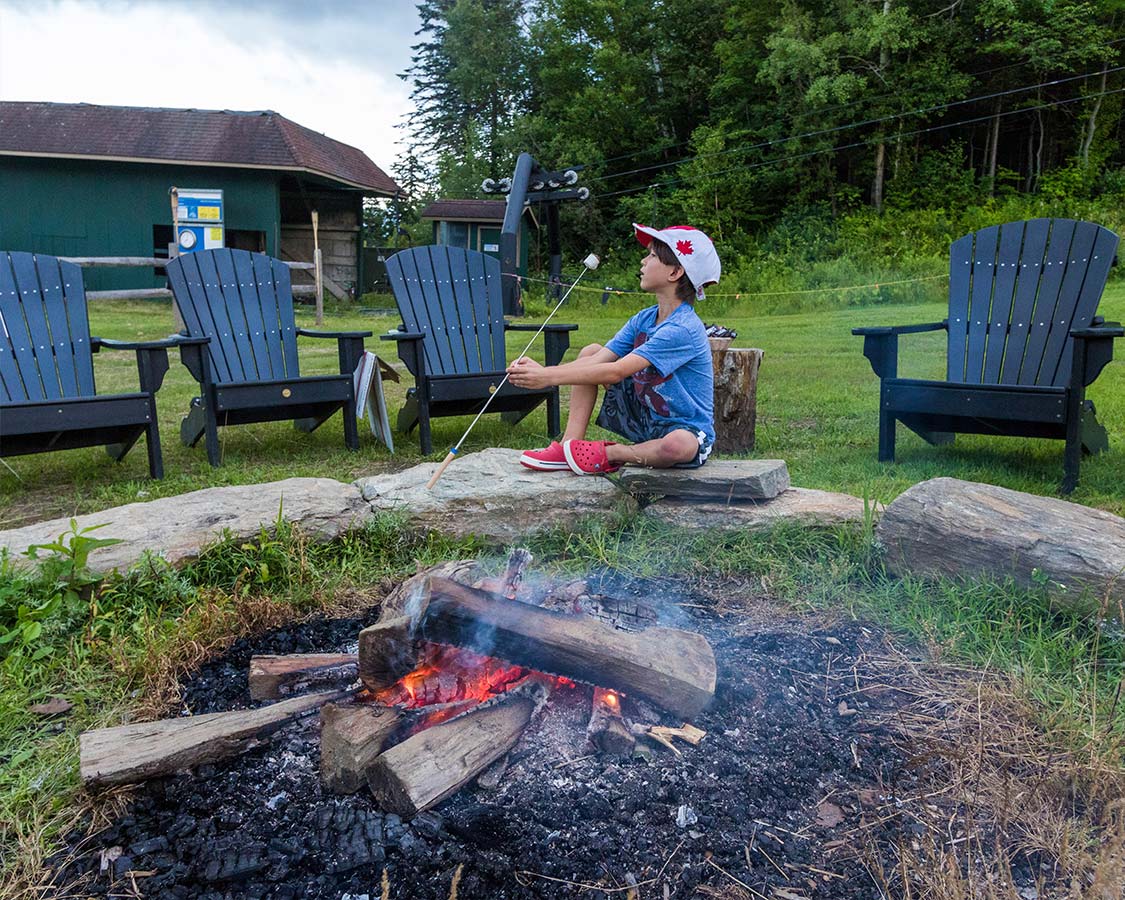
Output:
x=37 y=612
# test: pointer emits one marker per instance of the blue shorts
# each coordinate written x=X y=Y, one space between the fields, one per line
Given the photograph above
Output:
x=623 y=413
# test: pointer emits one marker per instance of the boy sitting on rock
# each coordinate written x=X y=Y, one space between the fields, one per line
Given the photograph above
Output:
x=657 y=371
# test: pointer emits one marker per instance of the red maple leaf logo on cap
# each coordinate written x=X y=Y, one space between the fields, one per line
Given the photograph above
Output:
x=684 y=247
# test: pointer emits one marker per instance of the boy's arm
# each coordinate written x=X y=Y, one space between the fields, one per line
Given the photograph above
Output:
x=602 y=367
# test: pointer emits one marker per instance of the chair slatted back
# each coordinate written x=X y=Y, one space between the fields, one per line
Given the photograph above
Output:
x=44 y=330
x=452 y=296
x=244 y=302
x=1016 y=291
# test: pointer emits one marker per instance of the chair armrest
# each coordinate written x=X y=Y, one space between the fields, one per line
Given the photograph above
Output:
x=349 y=345
x=193 y=358
x=878 y=330
x=1107 y=330
x=512 y=326
x=98 y=343
x=410 y=351
x=152 y=358
x=1093 y=351
x=334 y=334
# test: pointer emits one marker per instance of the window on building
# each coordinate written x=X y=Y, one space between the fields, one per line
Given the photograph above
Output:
x=455 y=234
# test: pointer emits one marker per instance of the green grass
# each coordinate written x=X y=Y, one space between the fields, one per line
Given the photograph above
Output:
x=817 y=403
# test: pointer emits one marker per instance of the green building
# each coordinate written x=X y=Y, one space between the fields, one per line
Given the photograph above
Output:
x=475 y=225
x=83 y=180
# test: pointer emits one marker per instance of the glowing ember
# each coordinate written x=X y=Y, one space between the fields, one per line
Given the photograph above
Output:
x=611 y=698
x=450 y=674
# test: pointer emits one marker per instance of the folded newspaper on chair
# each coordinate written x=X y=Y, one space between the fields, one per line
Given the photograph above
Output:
x=368 y=384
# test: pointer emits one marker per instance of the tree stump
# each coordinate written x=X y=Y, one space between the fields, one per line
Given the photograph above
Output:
x=736 y=397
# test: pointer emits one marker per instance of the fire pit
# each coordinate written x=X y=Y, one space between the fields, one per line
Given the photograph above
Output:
x=552 y=772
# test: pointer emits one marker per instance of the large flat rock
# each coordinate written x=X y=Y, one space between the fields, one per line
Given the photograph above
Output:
x=946 y=526
x=491 y=495
x=800 y=505
x=179 y=527
x=720 y=481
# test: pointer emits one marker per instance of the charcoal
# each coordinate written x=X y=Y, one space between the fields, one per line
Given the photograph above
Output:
x=152 y=845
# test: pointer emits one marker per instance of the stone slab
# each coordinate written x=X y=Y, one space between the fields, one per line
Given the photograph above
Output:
x=956 y=528
x=799 y=505
x=491 y=495
x=719 y=481
x=179 y=527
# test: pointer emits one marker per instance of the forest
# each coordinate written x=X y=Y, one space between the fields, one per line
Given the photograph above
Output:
x=793 y=132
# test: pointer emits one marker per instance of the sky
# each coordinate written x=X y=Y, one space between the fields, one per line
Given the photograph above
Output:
x=329 y=66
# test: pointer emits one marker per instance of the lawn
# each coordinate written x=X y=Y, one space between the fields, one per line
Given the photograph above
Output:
x=817 y=403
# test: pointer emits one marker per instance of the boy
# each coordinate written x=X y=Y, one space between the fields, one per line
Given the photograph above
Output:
x=656 y=370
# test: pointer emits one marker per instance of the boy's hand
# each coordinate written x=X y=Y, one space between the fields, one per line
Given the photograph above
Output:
x=527 y=373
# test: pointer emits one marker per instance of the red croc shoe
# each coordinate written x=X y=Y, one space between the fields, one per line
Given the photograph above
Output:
x=588 y=457
x=549 y=459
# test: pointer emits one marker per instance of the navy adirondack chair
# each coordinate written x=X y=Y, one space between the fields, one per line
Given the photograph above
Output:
x=452 y=340
x=248 y=370
x=48 y=400
x=1024 y=342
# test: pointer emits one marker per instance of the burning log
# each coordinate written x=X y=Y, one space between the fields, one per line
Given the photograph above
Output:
x=425 y=769
x=607 y=730
x=351 y=736
x=670 y=667
x=131 y=753
x=387 y=652
x=272 y=676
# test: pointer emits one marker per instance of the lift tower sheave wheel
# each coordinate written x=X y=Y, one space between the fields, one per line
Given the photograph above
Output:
x=531 y=183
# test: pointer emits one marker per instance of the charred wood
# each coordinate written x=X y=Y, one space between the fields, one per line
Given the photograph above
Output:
x=273 y=676
x=129 y=753
x=674 y=669
x=607 y=729
x=425 y=769
x=351 y=736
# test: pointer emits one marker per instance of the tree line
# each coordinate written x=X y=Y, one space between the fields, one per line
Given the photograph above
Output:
x=732 y=114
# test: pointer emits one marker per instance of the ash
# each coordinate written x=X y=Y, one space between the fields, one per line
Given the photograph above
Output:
x=779 y=795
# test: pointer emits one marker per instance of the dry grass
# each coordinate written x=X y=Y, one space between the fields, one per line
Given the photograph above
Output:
x=999 y=797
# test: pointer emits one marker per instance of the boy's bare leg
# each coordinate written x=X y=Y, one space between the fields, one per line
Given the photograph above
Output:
x=583 y=399
x=679 y=446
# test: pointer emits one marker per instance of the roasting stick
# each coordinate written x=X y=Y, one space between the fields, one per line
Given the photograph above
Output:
x=591 y=262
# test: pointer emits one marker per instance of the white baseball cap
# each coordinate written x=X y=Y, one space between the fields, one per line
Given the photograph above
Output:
x=693 y=249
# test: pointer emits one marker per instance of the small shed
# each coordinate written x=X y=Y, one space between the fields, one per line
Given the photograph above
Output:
x=475 y=225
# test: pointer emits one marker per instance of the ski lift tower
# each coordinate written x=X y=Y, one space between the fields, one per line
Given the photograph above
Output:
x=531 y=183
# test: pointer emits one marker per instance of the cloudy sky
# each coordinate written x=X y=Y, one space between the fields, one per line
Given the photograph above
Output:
x=330 y=66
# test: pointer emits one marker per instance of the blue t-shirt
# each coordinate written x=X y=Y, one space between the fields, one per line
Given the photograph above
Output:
x=679 y=384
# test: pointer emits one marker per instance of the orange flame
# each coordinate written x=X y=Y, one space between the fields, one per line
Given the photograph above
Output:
x=449 y=674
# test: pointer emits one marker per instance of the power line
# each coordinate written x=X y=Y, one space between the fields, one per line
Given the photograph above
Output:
x=838 y=128
x=865 y=143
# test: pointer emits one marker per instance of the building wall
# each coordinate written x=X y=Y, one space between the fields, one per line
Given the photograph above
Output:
x=479 y=235
x=338 y=234
x=93 y=208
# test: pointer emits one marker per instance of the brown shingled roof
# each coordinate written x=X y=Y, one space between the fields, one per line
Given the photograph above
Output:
x=474 y=210
x=252 y=140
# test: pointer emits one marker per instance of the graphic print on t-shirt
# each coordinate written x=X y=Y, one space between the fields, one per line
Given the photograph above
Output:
x=646 y=381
